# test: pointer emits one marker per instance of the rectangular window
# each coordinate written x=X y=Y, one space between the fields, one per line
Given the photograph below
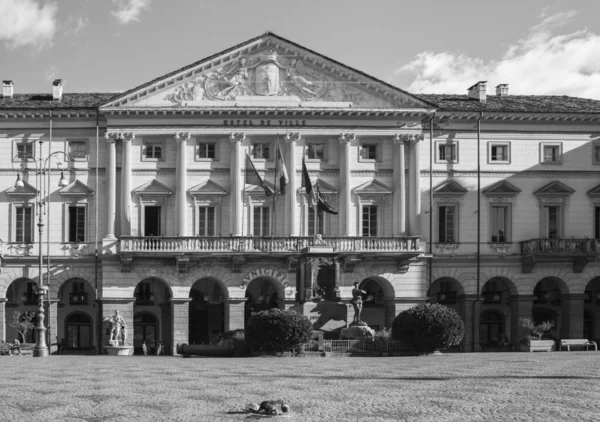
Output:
x=315 y=151
x=369 y=220
x=368 y=152
x=78 y=287
x=144 y=291
x=207 y=150
x=597 y=222
x=77 y=150
x=447 y=224
x=447 y=152
x=499 y=153
x=500 y=223
x=24 y=224
x=206 y=223
x=261 y=151
x=153 y=152
x=24 y=147
x=551 y=222
x=596 y=153
x=311 y=221
x=262 y=221
x=551 y=153
x=76 y=224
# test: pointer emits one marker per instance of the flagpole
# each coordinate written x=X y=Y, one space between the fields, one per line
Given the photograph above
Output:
x=274 y=214
x=315 y=208
x=244 y=197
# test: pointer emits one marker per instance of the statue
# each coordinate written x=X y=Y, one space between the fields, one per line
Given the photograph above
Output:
x=357 y=303
x=118 y=333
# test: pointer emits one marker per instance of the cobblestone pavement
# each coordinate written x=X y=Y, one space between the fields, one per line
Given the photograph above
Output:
x=453 y=387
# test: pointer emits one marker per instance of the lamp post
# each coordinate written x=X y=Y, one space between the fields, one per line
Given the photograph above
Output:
x=42 y=170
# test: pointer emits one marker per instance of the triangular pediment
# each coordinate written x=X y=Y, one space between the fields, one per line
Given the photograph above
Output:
x=450 y=188
x=25 y=191
x=373 y=187
x=324 y=187
x=76 y=189
x=267 y=71
x=153 y=188
x=555 y=188
x=207 y=188
x=501 y=188
x=594 y=192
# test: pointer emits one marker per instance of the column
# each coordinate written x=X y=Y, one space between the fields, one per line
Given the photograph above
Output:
x=127 y=138
x=180 y=310
x=572 y=318
x=345 y=225
x=292 y=206
x=181 y=193
x=469 y=310
x=53 y=326
x=237 y=184
x=414 y=191
x=111 y=185
x=2 y=320
x=520 y=307
x=235 y=314
x=399 y=187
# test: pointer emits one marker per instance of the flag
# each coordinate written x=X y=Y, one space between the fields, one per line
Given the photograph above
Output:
x=322 y=204
x=281 y=175
x=253 y=178
x=312 y=199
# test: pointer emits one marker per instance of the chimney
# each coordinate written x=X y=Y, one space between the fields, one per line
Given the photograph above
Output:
x=8 y=89
x=57 y=90
x=477 y=91
x=502 y=90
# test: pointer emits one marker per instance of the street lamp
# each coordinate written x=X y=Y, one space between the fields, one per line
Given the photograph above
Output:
x=42 y=169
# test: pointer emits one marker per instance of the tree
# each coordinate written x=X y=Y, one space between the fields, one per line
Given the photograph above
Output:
x=277 y=330
x=429 y=327
x=23 y=323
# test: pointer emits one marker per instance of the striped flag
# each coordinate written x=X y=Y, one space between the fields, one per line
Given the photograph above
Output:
x=281 y=174
x=306 y=183
x=253 y=178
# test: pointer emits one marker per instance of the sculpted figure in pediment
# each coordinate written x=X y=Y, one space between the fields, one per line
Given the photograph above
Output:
x=188 y=91
x=230 y=83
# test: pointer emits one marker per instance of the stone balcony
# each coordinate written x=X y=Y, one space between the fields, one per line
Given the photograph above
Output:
x=577 y=251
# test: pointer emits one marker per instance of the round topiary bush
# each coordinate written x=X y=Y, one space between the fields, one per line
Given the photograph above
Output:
x=429 y=327
x=278 y=330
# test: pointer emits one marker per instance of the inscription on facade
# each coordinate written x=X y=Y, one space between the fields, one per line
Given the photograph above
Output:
x=271 y=272
x=252 y=122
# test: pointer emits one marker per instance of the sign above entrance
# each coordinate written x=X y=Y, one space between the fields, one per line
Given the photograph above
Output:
x=261 y=272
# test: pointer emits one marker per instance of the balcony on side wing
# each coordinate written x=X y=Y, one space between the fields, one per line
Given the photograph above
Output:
x=577 y=251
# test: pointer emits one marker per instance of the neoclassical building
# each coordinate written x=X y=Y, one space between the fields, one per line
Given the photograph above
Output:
x=165 y=202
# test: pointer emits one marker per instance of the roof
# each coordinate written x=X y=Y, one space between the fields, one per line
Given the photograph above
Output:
x=45 y=102
x=514 y=103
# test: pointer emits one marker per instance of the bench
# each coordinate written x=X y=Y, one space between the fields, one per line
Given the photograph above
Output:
x=578 y=342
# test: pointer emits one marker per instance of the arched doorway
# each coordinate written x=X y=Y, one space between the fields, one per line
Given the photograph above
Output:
x=592 y=310
x=547 y=305
x=21 y=299
x=445 y=291
x=206 y=311
x=492 y=329
x=589 y=326
x=145 y=329
x=78 y=329
x=496 y=293
x=324 y=286
x=377 y=312
x=261 y=295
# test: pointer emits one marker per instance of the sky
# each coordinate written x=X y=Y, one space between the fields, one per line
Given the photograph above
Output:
x=541 y=47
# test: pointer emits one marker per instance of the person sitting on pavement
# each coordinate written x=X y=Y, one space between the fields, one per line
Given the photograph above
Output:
x=16 y=346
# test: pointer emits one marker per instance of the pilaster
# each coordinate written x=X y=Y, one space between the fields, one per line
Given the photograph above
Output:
x=345 y=225
x=52 y=320
x=237 y=183
x=520 y=307
x=3 y=319
x=181 y=170
x=111 y=186
x=414 y=192
x=126 y=139
x=180 y=310
x=399 y=188
x=573 y=306
x=469 y=307
x=234 y=314
x=291 y=204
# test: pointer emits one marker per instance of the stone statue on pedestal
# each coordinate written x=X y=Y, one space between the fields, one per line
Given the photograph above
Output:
x=357 y=304
x=118 y=332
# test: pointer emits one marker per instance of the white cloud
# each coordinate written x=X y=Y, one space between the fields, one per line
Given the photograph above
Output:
x=541 y=63
x=27 y=23
x=75 y=25
x=129 y=10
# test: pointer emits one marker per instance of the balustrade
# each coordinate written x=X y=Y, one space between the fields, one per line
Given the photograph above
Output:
x=560 y=246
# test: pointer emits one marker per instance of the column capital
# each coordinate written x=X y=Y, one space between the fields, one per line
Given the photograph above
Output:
x=292 y=137
x=347 y=137
x=182 y=136
x=412 y=137
x=399 y=139
x=237 y=136
x=119 y=136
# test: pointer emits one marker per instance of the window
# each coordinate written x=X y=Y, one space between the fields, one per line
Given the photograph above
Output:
x=78 y=150
x=78 y=287
x=24 y=224
x=597 y=222
x=76 y=224
x=153 y=151
x=369 y=152
x=499 y=153
x=144 y=291
x=23 y=147
x=315 y=151
x=206 y=221
x=311 y=221
x=596 y=153
x=500 y=222
x=447 y=152
x=207 y=150
x=551 y=153
x=261 y=151
x=447 y=224
x=369 y=220
x=551 y=224
x=262 y=221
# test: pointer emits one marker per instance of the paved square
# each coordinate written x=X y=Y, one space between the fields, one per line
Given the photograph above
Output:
x=454 y=387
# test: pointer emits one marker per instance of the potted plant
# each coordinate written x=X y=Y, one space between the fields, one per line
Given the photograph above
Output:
x=533 y=342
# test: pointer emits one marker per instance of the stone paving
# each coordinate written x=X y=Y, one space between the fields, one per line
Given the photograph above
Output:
x=453 y=387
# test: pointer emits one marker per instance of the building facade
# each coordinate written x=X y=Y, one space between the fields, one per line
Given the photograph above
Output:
x=487 y=204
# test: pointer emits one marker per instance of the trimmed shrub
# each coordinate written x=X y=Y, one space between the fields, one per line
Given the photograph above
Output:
x=429 y=327
x=236 y=341
x=277 y=330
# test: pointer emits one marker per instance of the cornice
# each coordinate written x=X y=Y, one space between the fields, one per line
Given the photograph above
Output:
x=523 y=174
x=45 y=114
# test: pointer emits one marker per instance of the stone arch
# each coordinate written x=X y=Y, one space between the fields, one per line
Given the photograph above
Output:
x=448 y=283
x=206 y=310
x=88 y=288
x=387 y=290
x=155 y=282
x=61 y=275
x=13 y=290
x=551 y=283
x=466 y=280
x=378 y=303
x=593 y=286
x=502 y=285
x=209 y=288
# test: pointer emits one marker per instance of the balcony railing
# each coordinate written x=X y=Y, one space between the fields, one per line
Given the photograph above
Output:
x=560 y=246
x=266 y=244
x=78 y=298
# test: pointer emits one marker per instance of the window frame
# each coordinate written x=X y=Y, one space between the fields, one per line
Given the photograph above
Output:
x=369 y=143
x=455 y=225
x=497 y=144
x=544 y=223
x=544 y=145
x=596 y=159
x=453 y=145
x=253 y=208
x=67 y=224
x=323 y=144
x=378 y=215
x=310 y=226
x=153 y=143
x=14 y=225
x=508 y=223
x=199 y=142
x=269 y=144
x=27 y=143
x=78 y=141
x=207 y=206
